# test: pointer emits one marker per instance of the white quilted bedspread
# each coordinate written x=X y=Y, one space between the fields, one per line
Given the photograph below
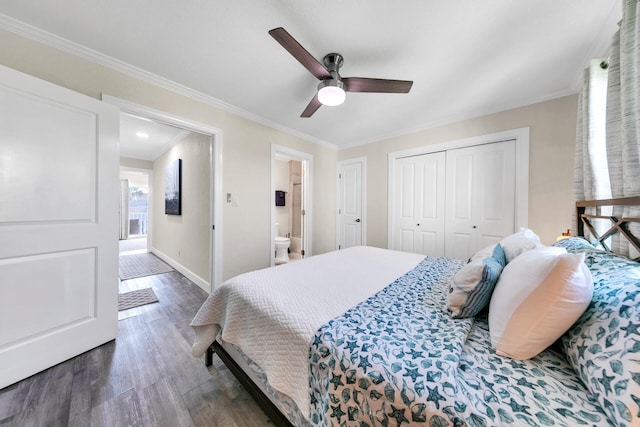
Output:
x=272 y=314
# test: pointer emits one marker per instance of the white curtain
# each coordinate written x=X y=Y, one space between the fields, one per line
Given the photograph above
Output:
x=591 y=176
x=614 y=172
x=124 y=209
x=623 y=101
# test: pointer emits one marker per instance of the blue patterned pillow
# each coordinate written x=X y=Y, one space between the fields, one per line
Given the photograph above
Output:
x=471 y=287
x=574 y=244
x=603 y=346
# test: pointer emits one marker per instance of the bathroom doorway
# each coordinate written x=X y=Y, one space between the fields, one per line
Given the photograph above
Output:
x=290 y=205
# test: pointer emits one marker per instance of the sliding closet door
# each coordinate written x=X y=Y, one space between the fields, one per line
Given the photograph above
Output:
x=480 y=208
x=58 y=224
x=419 y=204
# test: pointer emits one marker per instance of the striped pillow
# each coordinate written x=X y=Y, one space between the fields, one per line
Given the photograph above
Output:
x=471 y=287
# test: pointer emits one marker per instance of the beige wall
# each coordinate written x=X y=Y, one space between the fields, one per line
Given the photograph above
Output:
x=185 y=237
x=551 y=154
x=246 y=153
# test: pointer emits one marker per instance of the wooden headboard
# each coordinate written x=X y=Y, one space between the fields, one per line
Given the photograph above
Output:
x=618 y=225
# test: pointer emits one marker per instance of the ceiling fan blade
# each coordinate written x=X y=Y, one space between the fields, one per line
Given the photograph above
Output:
x=363 y=84
x=312 y=107
x=300 y=53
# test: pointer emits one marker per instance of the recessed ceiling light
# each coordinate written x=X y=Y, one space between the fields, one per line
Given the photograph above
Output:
x=142 y=135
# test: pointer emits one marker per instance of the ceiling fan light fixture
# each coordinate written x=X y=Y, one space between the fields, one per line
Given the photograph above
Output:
x=331 y=92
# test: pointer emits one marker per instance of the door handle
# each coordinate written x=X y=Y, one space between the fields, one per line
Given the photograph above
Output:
x=357 y=219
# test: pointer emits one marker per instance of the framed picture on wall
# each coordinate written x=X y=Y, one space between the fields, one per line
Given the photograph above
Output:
x=173 y=188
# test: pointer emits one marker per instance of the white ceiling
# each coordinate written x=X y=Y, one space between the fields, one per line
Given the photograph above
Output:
x=160 y=137
x=466 y=57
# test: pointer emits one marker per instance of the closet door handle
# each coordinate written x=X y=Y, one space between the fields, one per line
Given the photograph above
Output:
x=358 y=220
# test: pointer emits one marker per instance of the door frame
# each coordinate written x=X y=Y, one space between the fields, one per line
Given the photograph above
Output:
x=215 y=175
x=307 y=199
x=520 y=135
x=363 y=198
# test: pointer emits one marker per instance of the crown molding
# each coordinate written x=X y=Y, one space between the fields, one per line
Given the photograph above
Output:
x=31 y=32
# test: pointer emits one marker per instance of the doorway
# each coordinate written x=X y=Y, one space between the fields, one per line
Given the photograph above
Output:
x=291 y=213
x=135 y=213
x=213 y=172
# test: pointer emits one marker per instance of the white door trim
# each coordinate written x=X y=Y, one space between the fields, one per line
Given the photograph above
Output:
x=521 y=136
x=363 y=192
x=307 y=191
x=215 y=161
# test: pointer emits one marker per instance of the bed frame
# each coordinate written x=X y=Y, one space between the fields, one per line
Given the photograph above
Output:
x=271 y=410
x=583 y=220
x=619 y=225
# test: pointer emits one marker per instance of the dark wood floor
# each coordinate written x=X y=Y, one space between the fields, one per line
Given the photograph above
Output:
x=146 y=377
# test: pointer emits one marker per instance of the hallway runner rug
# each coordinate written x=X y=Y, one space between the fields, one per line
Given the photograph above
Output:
x=136 y=298
x=140 y=265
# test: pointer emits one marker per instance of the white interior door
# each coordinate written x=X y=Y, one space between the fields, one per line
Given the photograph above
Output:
x=480 y=197
x=58 y=224
x=419 y=202
x=350 y=209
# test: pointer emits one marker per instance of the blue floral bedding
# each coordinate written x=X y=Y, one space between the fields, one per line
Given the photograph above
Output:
x=399 y=359
x=603 y=346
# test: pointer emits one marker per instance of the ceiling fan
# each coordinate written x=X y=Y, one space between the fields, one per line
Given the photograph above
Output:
x=332 y=87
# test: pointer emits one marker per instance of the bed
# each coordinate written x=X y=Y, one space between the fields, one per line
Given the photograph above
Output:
x=368 y=336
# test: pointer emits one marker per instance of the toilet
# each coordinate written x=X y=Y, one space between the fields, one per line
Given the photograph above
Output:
x=282 y=246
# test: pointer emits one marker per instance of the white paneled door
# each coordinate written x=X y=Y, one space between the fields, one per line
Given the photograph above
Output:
x=58 y=224
x=454 y=202
x=350 y=204
x=419 y=203
x=480 y=197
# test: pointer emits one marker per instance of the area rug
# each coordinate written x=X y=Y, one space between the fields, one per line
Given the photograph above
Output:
x=136 y=298
x=140 y=265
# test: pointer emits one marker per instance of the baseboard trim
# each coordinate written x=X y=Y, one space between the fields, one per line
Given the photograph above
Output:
x=202 y=283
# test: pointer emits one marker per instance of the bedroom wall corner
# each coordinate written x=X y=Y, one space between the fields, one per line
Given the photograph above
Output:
x=247 y=218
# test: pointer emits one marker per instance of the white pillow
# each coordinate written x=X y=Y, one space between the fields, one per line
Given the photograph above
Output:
x=520 y=242
x=539 y=295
